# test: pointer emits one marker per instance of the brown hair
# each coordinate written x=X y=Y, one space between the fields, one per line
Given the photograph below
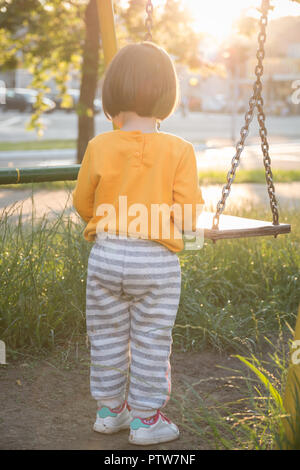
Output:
x=140 y=78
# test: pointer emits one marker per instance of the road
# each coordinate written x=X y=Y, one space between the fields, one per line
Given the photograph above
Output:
x=284 y=156
x=209 y=134
x=196 y=127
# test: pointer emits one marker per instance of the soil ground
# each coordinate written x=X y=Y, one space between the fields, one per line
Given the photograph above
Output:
x=46 y=403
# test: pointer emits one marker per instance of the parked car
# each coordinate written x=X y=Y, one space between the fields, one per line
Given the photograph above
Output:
x=74 y=94
x=23 y=99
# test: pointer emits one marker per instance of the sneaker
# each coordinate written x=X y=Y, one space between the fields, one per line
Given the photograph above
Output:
x=111 y=420
x=153 y=430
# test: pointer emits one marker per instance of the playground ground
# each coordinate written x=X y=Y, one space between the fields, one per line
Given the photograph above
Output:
x=47 y=404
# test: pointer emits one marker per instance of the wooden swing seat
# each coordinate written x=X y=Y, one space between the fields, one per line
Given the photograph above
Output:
x=238 y=227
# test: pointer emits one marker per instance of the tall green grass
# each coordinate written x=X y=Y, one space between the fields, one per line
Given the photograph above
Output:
x=258 y=419
x=233 y=292
x=42 y=289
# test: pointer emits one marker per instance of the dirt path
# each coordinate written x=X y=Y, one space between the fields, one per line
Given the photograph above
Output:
x=47 y=404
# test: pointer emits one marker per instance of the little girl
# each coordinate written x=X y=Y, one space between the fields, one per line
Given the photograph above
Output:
x=134 y=188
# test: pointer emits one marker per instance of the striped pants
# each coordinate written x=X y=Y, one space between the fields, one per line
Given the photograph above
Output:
x=132 y=297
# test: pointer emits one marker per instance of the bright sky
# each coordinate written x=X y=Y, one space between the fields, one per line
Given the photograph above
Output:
x=216 y=16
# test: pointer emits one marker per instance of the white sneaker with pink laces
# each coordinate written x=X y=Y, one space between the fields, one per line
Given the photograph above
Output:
x=153 y=430
x=111 y=420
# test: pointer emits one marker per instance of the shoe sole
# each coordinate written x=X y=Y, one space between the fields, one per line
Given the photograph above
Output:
x=158 y=440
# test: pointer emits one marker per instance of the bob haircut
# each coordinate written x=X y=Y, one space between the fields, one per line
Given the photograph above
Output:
x=141 y=78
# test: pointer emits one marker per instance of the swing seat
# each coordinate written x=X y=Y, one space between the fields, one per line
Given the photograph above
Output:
x=238 y=227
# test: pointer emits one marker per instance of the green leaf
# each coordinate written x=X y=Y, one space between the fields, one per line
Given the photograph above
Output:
x=265 y=381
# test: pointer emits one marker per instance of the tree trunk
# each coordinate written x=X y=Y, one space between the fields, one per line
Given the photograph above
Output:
x=89 y=78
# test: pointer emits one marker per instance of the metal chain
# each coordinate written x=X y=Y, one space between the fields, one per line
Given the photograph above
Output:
x=256 y=100
x=261 y=118
x=149 y=20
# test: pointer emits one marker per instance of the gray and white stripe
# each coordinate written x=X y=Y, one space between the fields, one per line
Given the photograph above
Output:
x=132 y=297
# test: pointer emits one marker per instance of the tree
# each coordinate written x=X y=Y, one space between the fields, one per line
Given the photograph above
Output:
x=89 y=80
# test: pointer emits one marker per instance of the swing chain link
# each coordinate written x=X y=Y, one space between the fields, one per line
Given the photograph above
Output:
x=256 y=101
x=149 y=20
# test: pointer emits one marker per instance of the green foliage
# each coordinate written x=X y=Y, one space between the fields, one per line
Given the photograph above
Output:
x=44 y=37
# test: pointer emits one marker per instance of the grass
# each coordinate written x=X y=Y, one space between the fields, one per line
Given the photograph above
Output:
x=237 y=291
x=258 y=420
x=38 y=144
x=47 y=185
x=43 y=267
x=205 y=178
x=248 y=176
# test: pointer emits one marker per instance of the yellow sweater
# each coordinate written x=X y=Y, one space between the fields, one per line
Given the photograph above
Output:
x=144 y=169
